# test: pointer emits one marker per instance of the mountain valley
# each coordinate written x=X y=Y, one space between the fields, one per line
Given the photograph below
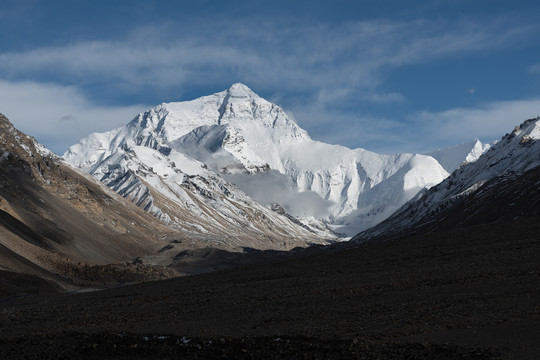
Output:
x=62 y=225
x=96 y=246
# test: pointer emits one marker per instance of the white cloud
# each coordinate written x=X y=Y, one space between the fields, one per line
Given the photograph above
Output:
x=316 y=69
x=422 y=131
x=535 y=69
x=384 y=98
x=489 y=122
x=58 y=116
x=15 y=8
x=274 y=187
x=299 y=56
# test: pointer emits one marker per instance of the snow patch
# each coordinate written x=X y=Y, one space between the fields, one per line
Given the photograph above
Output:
x=534 y=134
x=5 y=155
x=473 y=188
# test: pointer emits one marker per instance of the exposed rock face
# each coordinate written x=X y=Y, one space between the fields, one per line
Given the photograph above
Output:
x=54 y=218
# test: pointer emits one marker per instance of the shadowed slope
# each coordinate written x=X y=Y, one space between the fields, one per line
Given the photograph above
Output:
x=54 y=220
x=472 y=293
x=502 y=184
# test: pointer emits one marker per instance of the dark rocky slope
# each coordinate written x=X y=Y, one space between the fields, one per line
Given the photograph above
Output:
x=502 y=184
x=462 y=293
x=466 y=285
x=60 y=225
x=502 y=198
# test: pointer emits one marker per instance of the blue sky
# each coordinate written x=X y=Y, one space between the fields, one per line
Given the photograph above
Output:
x=388 y=76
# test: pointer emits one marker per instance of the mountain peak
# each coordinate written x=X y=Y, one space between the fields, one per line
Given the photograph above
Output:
x=13 y=140
x=529 y=130
x=236 y=131
x=451 y=158
x=239 y=90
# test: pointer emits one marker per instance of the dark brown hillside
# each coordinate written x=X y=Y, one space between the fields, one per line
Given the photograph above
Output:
x=503 y=198
x=463 y=293
x=468 y=287
x=56 y=223
x=503 y=184
x=76 y=231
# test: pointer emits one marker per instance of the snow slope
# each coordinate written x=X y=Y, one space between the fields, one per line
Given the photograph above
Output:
x=237 y=132
x=516 y=153
x=137 y=162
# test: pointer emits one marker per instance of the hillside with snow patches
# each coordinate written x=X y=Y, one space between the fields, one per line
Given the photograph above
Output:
x=235 y=136
x=505 y=162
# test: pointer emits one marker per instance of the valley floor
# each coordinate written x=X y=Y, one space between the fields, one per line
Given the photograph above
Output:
x=472 y=293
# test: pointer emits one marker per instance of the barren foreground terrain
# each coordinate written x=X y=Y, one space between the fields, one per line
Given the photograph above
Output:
x=469 y=293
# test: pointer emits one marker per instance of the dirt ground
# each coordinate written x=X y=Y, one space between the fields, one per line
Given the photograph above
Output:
x=472 y=293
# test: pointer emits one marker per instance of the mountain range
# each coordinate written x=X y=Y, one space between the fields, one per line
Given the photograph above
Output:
x=243 y=139
x=225 y=175
x=445 y=263
x=60 y=224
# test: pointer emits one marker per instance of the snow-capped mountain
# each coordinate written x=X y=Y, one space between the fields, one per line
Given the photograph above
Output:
x=512 y=160
x=139 y=162
x=59 y=223
x=236 y=132
x=451 y=158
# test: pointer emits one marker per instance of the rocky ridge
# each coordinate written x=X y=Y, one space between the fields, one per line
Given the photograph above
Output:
x=501 y=178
